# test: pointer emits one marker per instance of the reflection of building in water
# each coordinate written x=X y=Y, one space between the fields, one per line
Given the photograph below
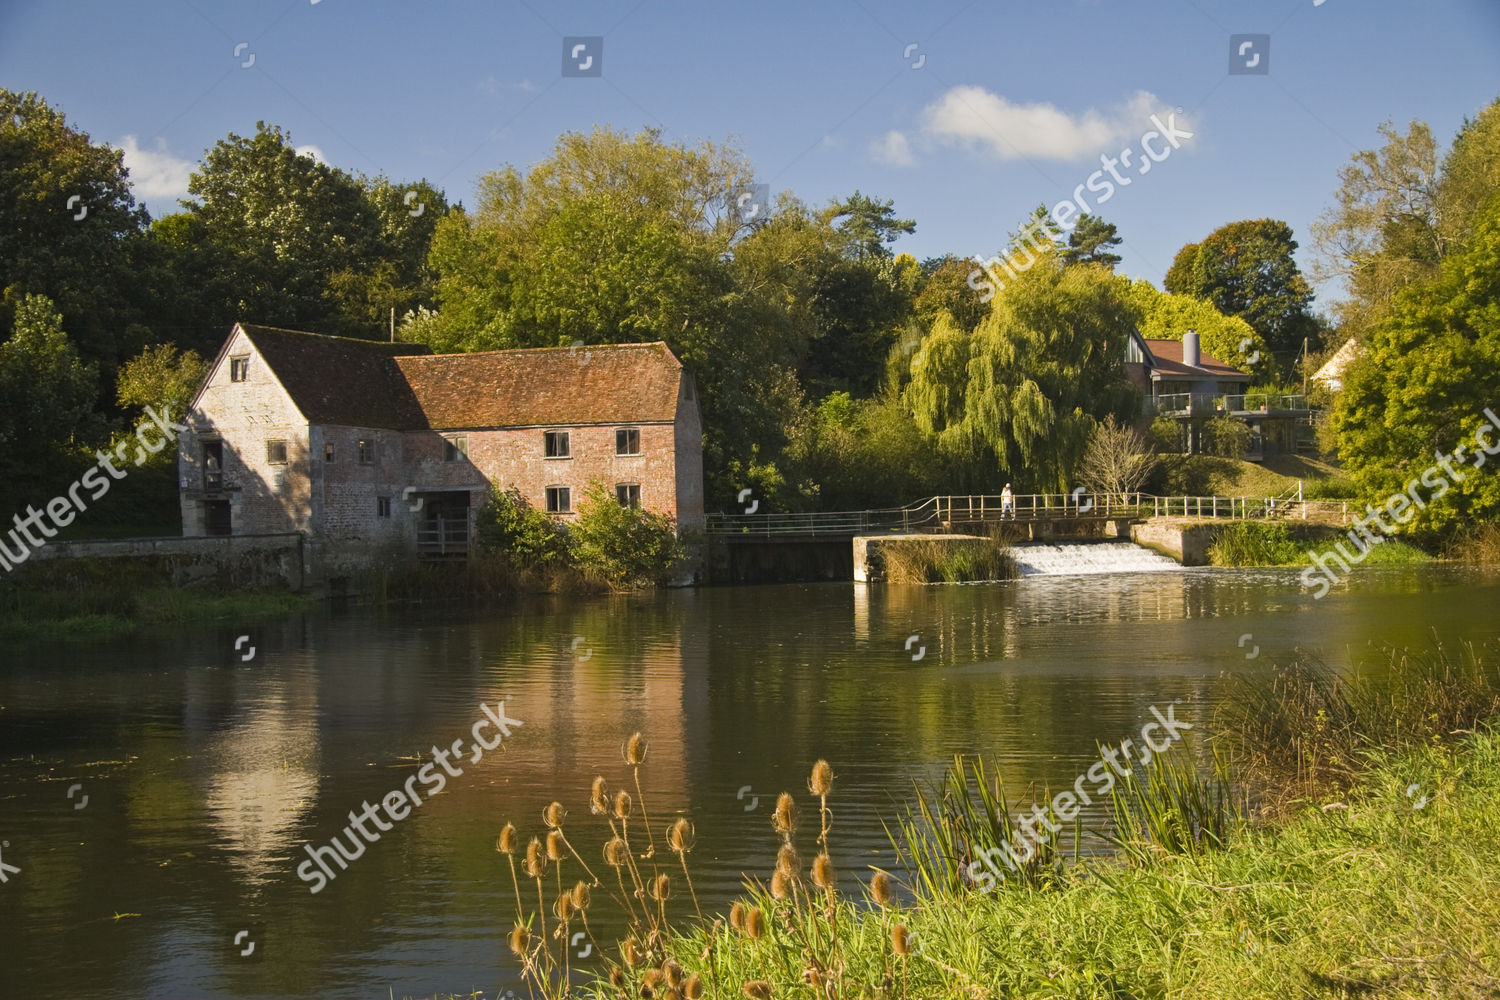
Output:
x=263 y=779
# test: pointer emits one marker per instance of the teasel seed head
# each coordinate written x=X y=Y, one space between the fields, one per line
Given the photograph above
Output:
x=680 y=836
x=564 y=907
x=661 y=888
x=784 y=819
x=598 y=797
x=781 y=884
x=635 y=750
x=880 y=889
x=650 y=981
x=672 y=969
x=557 y=845
x=617 y=977
x=755 y=924
x=536 y=859
x=789 y=859
x=821 y=781
x=520 y=941
x=554 y=815
x=757 y=989
x=693 y=988
x=737 y=916
x=622 y=804
x=506 y=842
x=822 y=871
x=901 y=940
x=813 y=977
x=582 y=896
x=631 y=952
x=616 y=852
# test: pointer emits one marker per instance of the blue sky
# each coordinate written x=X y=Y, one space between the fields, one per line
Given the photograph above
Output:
x=968 y=113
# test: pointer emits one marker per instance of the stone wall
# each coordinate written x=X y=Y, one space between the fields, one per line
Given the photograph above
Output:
x=249 y=562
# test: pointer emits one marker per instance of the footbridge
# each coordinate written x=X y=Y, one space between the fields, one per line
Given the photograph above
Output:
x=1034 y=514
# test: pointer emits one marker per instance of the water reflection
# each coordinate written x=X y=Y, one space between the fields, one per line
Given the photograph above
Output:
x=207 y=776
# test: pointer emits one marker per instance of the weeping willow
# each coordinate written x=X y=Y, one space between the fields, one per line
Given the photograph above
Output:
x=1029 y=384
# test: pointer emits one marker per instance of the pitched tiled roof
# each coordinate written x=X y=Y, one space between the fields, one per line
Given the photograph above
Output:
x=1168 y=355
x=340 y=380
x=601 y=384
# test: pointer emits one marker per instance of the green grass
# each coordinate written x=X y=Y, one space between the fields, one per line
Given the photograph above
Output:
x=947 y=560
x=1377 y=881
x=1274 y=543
x=56 y=614
x=1273 y=477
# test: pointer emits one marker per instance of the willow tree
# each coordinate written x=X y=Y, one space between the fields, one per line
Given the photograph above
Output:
x=1028 y=386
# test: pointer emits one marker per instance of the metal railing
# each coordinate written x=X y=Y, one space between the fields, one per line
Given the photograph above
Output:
x=443 y=536
x=1205 y=403
x=942 y=513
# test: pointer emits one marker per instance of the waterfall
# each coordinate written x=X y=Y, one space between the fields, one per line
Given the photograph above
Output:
x=1050 y=559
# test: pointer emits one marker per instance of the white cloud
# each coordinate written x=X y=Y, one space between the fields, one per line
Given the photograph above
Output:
x=155 y=173
x=973 y=117
x=312 y=151
x=892 y=148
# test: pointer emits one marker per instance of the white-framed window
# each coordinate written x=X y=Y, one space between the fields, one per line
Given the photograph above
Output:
x=627 y=441
x=382 y=506
x=629 y=494
x=455 y=447
x=239 y=368
x=555 y=444
x=559 y=500
x=276 y=452
x=366 y=451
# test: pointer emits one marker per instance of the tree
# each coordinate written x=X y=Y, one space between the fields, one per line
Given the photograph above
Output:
x=1116 y=462
x=1419 y=390
x=1383 y=231
x=1028 y=385
x=1227 y=338
x=865 y=225
x=1091 y=242
x=69 y=227
x=1226 y=437
x=47 y=396
x=947 y=290
x=160 y=377
x=1246 y=269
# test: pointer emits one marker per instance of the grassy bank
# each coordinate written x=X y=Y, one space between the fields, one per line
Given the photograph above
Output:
x=1372 y=876
x=1256 y=543
x=102 y=611
x=948 y=560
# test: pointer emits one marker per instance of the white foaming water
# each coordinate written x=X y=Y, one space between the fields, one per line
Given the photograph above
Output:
x=1047 y=559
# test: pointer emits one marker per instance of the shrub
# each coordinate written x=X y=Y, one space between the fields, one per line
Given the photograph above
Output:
x=948 y=560
x=1225 y=437
x=625 y=546
x=509 y=526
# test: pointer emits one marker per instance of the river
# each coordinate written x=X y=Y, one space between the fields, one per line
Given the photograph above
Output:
x=158 y=791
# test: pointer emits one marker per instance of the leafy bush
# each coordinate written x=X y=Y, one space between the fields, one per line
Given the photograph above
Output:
x=509 y=526
x=625 y=546
x=1226 y=437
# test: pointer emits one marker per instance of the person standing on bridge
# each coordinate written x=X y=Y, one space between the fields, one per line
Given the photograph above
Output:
x=1007 y=503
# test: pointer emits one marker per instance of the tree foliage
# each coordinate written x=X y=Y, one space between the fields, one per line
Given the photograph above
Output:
x=1247 y=269
x=625 y=546
x=1028 y=385
x=1092 y=241
x=1429 y=369
x=1228 y=338
x=47 y=396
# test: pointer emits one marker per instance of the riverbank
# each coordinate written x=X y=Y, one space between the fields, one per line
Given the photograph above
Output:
x=1386 y=892
x=102 y=611
x=1365 y=868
